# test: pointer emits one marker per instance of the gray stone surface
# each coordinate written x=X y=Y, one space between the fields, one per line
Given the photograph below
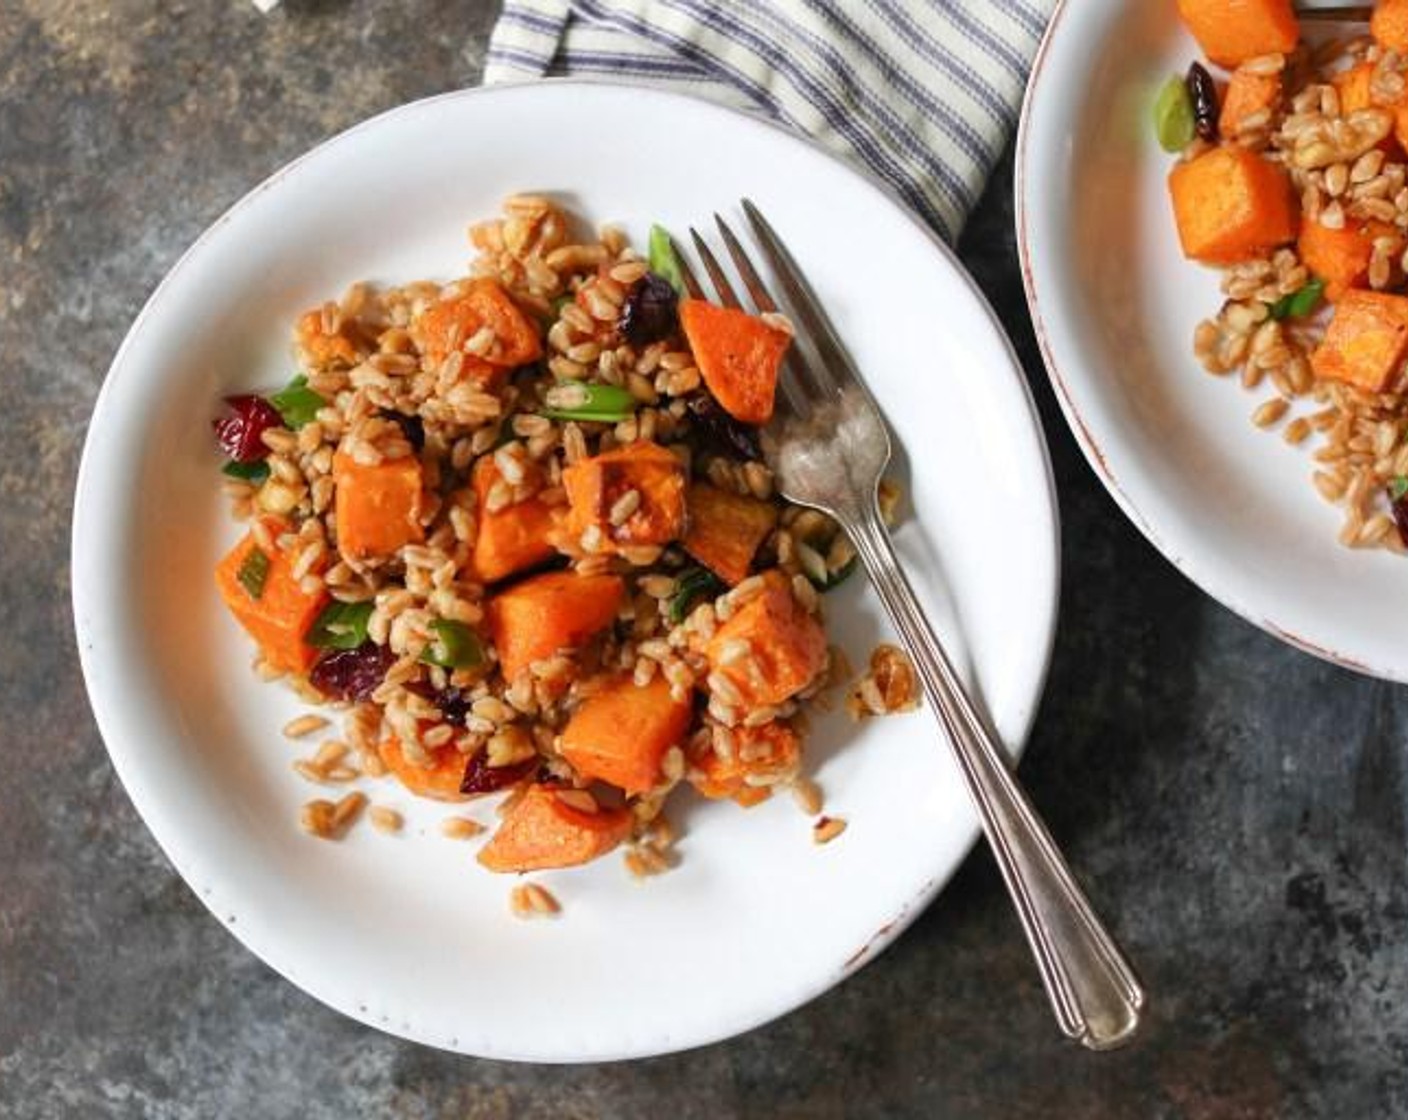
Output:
x=1235 y=806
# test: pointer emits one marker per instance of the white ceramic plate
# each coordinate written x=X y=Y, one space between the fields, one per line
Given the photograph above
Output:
x=407 y=933
x=1115 y=304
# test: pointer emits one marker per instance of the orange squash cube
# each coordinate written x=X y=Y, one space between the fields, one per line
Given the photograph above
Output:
x=726 y=530
x=738 y=355
x=540 y=616
x=1389 y=25
x=377 y=506
x=448 y=324
x=599 y=493
x=1341 y=257
x=770 y=648
x=1247 y=94
x=320 y=348
x=622 y=731
x=280 y=615
x=1366 y=343
x=440 y=780
x=1232 y=31
x=771 y=752
x=1231 y=205
x=510 y=539
x=540 y=831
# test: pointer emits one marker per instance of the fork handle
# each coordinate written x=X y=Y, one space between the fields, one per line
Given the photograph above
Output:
x=1096 y=997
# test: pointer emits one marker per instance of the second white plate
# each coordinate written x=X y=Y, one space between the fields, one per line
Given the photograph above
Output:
x=1115 y=304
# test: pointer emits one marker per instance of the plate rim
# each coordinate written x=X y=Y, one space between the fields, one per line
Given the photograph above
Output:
x=1201 y=574
x=104 y=705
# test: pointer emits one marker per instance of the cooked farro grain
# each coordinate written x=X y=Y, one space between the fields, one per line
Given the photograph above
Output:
x=807 y=794
x=304 y=725
x=529 y=900
x=385 y=819
x=460 y=828
x=826 y=829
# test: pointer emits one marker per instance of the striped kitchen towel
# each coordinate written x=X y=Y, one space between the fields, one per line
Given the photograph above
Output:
x=923 y=93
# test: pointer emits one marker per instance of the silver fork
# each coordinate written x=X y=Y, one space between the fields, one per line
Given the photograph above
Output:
x=828 y=447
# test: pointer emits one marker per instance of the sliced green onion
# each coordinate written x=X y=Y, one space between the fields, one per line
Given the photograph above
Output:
x=255 y=472
x=692 y=585
x=660 y=253
x=253 y=572
x=1299 y=303
x=577 y=400
x=1174 y=121
x=340 y=626
x=297 y=403
x=1397 y=487
x=455 y=646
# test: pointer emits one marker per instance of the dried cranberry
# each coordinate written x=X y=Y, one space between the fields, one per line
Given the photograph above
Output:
x=412 y=427
x=453 y=704
x=239 y=431
x=352 y=674
x=722 y=430
x=1399 y=505
x=1202 y=90
x=648 y=314
x=480 y=777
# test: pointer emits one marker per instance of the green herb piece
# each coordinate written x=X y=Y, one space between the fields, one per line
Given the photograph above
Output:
x=660 y=253
x=692 y=585
x=1174 y=121
x=340 y=626
x=253 y=572
x=455 y=646
x=297 y=404
x=558 y=304
x=1299 y=303
x=1397 y=487
x=255 y=472
x=577 y=400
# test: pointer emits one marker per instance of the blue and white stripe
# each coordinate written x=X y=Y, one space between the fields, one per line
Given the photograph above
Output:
x=924 y=93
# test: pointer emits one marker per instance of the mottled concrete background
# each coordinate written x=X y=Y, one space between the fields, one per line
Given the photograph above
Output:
x=1237 y=807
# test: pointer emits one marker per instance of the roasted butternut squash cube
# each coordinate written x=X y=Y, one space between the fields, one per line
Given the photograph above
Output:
x=261 y=591
x=1231 y=205
x=761 y=756
x=738 y=356
x=621 y=732
x=320 y=348
x=633 y=495
x=377 y=506
x=1366 y=343
x=726 y=530
x=538 y=617
x=1340 y=257
x=440 y=780
x=509 y=539
x=1232 y=31
x=1247 y=94
x=448 y=326
x=541 y=831
x=770 y=648
x=1355 y=87
x=1389 y=25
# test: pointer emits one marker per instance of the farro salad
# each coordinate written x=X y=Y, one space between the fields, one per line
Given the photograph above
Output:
x=1293 y=180
x=517 y=527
